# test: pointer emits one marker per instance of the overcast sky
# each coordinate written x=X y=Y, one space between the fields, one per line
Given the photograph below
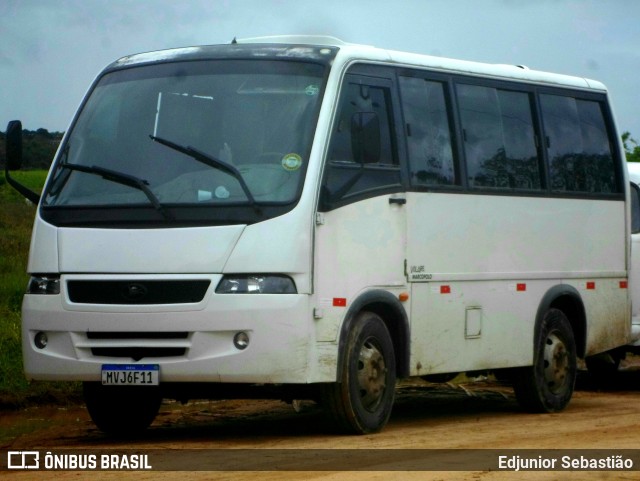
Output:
x=51 y=50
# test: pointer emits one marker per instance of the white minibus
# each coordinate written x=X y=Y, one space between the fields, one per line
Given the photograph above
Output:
x=303 y=218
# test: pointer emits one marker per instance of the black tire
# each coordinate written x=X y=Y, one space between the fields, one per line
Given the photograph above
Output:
x=362 y=399
x=547 y=386
x=121 y=410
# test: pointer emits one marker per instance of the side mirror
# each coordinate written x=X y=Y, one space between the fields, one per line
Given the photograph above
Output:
x=13 y=142
x=14 y=145
x=365 y=137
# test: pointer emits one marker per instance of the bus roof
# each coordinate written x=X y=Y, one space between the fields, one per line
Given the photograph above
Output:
x=289 y=46
x=367 y=52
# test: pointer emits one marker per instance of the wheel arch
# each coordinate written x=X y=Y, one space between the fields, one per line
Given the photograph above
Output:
x=394 y=316
x=567 y=299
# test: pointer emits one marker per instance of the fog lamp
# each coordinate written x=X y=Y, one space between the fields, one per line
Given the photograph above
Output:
x=241 y=340
x=41 y=340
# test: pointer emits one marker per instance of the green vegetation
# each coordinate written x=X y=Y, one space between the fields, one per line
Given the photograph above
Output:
x=631 y=148
x=38 y=148
x=16 y=220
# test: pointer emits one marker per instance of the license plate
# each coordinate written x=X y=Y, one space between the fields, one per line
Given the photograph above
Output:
x=130 y=374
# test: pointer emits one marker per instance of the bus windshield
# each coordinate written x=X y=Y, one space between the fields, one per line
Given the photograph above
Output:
x=215 y=133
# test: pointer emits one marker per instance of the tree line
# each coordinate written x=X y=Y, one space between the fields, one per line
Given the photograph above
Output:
x=39 y=147
x=631 y=148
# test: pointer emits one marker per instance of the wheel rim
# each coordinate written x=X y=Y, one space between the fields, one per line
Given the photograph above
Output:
x=556 y=363
x=372 y=374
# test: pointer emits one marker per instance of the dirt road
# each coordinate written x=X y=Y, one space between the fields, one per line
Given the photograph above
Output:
x=477 y=414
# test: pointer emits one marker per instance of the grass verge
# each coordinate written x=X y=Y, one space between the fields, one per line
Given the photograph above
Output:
x=16 y=221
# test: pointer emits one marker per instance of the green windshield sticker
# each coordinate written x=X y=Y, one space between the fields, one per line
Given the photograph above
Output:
x=291 y=162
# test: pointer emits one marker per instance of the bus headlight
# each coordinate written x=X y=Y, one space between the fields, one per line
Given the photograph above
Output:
x=44 y=285
x=256 y=284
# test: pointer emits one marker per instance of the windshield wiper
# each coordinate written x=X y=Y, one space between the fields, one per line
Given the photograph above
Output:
x=211 y=161
x=124 y=179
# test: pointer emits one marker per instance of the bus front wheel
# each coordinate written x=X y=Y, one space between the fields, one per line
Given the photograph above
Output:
x=121 y=410
x=547 y=386
x=361 y=401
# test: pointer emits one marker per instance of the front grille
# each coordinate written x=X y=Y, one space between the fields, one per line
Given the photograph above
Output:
x=137 y=335
x=137 y=345
x=137 y=353
x=137 y=292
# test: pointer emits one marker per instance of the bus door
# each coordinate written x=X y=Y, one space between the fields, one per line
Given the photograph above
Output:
x=360 y=227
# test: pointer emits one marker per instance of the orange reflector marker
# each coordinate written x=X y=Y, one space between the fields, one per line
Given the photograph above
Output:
x=591 y=285
x=339 y=301
x=403 y=296
x=445 y=289
x=623 y=284
x=521 y=287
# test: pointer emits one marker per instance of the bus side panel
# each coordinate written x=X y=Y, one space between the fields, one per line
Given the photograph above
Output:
x=471 y=325
x=480 y=265
x=608 y=315
x=484 y=236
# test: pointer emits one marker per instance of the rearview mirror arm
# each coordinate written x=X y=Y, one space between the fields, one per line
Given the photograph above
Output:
x=27 y=193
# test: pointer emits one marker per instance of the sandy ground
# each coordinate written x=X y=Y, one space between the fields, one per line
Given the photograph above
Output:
x=478 y=414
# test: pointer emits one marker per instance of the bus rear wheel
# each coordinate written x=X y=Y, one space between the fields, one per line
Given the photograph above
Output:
x=362 y=399
x=121 y=410
x=547 y=386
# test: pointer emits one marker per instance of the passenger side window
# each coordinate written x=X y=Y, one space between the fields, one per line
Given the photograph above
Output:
x=428 y=130
x=362 y=154
x=635 y=208
x=499 y=138
x=580 y=156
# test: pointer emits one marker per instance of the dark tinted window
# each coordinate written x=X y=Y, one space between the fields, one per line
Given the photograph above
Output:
x=635 y=208
x=580 y=157
x=362 y=153
x=499 y=138
x=361 y=98
x=428 y=132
